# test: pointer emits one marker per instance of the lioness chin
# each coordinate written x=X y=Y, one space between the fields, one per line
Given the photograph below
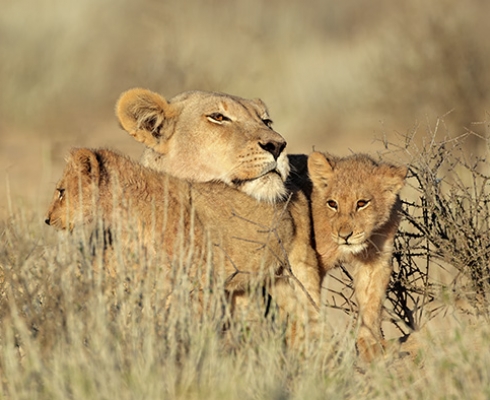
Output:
x=355 y=211
x=252 y=244
x=205 y=136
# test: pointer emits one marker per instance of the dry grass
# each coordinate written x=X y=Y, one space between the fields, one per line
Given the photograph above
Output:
x=69 y=332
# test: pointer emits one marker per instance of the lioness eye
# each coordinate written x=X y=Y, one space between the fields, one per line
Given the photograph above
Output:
x=217 y=117
x=362 y=204
x=61 y=193
x=332 y=204
x=267 y=122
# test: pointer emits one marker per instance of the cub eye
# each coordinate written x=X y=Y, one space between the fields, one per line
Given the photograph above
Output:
x=362 y=204
x=217 y=118
x=61 y=193
x=332 y=204
x=267 y=122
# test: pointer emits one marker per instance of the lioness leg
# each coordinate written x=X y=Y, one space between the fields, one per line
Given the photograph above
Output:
x=299 y=294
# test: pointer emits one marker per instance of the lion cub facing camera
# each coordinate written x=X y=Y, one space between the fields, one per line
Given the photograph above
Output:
x=355 y=211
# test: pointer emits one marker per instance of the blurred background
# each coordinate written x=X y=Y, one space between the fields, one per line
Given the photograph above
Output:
x=339 y=76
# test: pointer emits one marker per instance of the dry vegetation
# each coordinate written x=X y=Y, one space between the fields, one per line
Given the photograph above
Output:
x=442 y=251
x=70 y=330
x=335 y=75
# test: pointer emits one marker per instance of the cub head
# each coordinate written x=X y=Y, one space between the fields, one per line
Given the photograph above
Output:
x=205 y=136
x=76 y=192
x=353 y=198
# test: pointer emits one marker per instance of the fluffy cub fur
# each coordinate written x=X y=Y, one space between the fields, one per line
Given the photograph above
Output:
x=219 y=231
x=355 y=211
x=204 y=136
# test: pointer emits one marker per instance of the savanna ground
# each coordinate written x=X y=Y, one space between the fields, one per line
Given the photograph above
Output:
x=409 y=82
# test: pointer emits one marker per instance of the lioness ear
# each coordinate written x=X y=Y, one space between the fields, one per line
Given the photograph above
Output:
x=261 y=104
x=143 y=114
x=320 y=168
x=86 y=163
x=393 y=176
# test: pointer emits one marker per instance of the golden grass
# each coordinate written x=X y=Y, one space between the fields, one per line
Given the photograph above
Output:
x=67 y=332
x=70 y=330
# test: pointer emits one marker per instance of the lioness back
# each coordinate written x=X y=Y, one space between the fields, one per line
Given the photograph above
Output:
x=356 y=212
x=205 y=136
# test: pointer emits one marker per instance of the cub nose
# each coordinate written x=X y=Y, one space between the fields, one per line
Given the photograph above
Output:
x=273 y=147
x=345 y=234
x=47 y=221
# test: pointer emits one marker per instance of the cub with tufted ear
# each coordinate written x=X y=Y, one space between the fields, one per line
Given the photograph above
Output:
x=355 y=209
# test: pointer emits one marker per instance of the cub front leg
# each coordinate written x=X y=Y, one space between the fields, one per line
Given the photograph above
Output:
x=370 y=284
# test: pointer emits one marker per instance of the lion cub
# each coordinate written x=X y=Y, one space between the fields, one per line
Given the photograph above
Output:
x=355 y=211
x=219 y=231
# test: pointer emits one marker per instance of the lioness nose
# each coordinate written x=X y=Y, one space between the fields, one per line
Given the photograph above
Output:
x=47 y=221
x=273 y=147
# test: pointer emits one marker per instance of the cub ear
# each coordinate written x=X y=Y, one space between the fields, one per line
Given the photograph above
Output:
x=393 y=177
x=320 y=168
x=143 y=114
x=86 y=163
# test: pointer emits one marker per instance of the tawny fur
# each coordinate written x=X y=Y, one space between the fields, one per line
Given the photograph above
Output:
x=252 y=243
x=205 y=136
x=355 y=211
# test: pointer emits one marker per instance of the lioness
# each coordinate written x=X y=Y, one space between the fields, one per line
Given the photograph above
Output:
x=266 y=244
x=204 y=136
x=355 y=212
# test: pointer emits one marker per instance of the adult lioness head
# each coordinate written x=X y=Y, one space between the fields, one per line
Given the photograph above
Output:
x=205 y=136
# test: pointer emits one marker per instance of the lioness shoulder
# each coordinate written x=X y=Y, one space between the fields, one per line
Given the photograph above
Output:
x=206 y=136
